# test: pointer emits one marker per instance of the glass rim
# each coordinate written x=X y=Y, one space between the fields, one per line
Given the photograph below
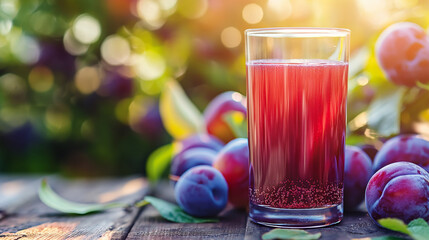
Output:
x=299 y=32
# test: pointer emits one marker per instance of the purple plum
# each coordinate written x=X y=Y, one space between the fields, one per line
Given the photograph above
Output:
x=398 y=190
x=233 y=162
x=370 y=150
x=191 y=158
x=202 y=191
x=357 y=171
x=403 y=148
x=198 y=140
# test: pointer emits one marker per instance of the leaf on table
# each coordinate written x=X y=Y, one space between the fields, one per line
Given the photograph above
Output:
x=419 y=229
x=384 y=238
x=237 y=122
x=159 y=162
x=385 y=110
x=179 y=115
x=53 y=200
x=172 y=212
x=290 y=234
x=394 y=224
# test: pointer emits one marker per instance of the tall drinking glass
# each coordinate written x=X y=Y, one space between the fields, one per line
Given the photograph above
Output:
x=296 y=93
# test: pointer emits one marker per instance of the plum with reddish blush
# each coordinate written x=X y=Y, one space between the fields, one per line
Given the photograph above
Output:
x=202 y=191
x=357 y=171
x=398 y=190
x=197 y=141
x=215 y=112
x=403 y=148
x=191 y=158
x=402 y=51
x=233 y=162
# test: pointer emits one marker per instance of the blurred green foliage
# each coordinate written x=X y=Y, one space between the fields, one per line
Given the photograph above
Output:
x=80 y=80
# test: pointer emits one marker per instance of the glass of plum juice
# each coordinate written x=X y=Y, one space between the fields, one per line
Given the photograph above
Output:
x=296 y=96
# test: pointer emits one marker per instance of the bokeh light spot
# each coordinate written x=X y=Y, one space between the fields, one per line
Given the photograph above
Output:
x=115 y=50
x=5 y=26
x=150 y=12
x=12 y=84
x=230 y=37
x=149 y=66
x=57 y=120
x=87 y=80
x=167 y=5
x=137 y=109
x=26 y=50
x=279 y=9
x=362 y=80
x=72 y=45
x=121 y=110
x=86 y=29
x=41 y=79
x=252 y=13
x=192 y=8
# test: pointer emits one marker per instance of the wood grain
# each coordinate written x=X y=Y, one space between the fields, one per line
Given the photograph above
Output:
x=151 y=226
x=34 y=220
x=28 y=218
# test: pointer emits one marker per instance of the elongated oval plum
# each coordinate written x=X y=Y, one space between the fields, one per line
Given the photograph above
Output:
x=398 y=190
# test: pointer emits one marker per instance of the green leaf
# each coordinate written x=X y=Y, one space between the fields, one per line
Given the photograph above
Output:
x=173 y=212
x=53 y=200
x=419 y=229
x=179 y=115
x=237 y=122
x=385 y=110
x=394 y=224
x=159 y=162
x=290 y=234
x=384 y=238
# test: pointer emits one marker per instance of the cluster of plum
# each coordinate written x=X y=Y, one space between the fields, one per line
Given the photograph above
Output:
x=210 y=170
x=399 y=187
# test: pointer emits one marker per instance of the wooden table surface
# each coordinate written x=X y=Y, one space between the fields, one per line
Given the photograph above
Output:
x=23 y=216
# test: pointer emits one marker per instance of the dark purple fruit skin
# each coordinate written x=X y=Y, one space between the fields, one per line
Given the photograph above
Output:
x=403 y=148
x=399 y=190
x=370 y=150
x=191 y=158
x=199 y=140
x=357 y=171
x=202 y=191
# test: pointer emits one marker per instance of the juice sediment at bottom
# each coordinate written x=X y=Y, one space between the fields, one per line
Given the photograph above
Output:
x=297 y=120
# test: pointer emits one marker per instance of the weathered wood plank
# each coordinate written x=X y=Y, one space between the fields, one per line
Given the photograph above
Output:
x=151 y=226
x=34 y=220
x=16 y=190
x=354 y=225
